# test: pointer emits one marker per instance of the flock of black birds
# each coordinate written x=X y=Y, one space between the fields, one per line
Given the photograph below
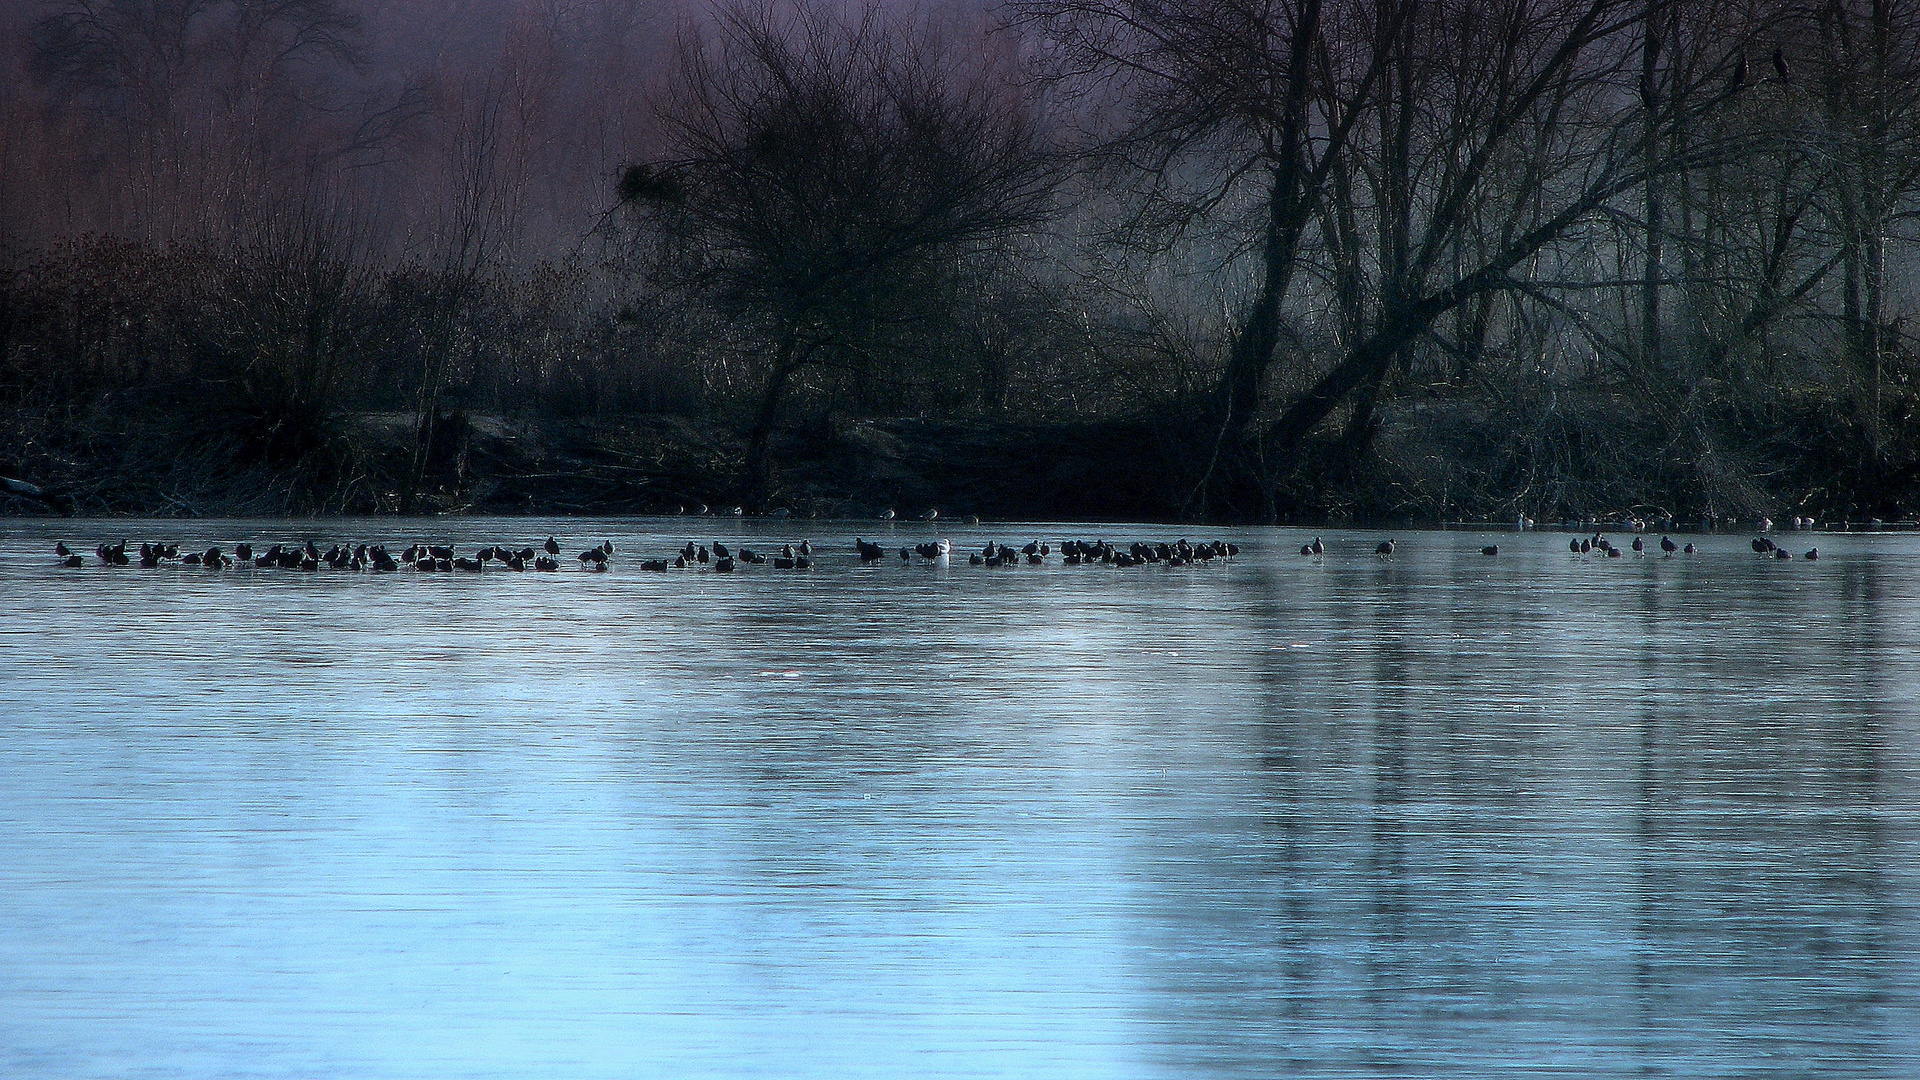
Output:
x=426 y=558
x=717 y=556
x=723 y=560
x=1764 y=546
x=1598 y=544
x=1072 y=553
x=1383 y=550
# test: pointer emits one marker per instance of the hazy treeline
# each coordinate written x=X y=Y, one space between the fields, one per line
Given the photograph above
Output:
x=1239 y=259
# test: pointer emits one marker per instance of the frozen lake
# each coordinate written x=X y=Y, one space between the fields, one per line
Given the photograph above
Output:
x=1446 y=816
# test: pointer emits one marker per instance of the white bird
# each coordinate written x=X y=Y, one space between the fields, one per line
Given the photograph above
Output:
x=945 y=547
x=930 y=515
x=887 y=514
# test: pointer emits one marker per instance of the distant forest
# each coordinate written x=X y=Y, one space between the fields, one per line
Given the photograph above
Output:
x=1208 y=260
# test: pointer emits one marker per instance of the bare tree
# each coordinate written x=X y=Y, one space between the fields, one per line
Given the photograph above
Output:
x=1491 y=134
x=825 y=181
x=1865 y=70
x=187 y=110
x=1226 y=101
x=487 y=126
x=297 y=288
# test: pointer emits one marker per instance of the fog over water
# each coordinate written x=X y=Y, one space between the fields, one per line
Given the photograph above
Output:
x=1439 y=816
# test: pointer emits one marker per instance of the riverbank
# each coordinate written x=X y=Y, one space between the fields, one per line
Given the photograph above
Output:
x=365 y=463
x=1433 y=460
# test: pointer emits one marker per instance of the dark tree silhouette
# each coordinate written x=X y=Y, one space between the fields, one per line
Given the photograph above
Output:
x=825 y=181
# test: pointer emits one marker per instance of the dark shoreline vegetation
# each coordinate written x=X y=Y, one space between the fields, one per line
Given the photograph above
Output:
x=1145 y=261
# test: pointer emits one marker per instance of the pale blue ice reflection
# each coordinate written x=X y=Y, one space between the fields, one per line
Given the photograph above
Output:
x=1445 y=816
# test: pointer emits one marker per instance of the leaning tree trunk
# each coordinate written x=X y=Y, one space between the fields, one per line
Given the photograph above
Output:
x=1290 y=204
x=1365 y=364
x=53 y=498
